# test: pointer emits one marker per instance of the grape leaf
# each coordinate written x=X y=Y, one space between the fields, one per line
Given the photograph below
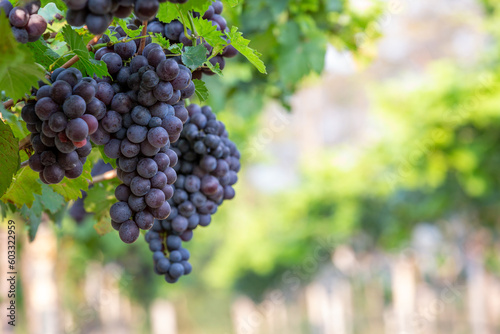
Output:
x=105 y=158
x=241 y=44
x=43 y=55
x=231 y=3
x=51 y=201
x=33 y=216
x=89 y=64
x=23 y=188
x=176 y=48
x=99 y=199
x=9 y=156
x=49 y=11
x=194 y=56
x=210 y=34
x=162 y=41
x=59 y=3
x=167 y=12
x=200 y=90
x=13 y=120
x=215 y=69
x=129 y=32
x=18 y=70
x=70 y=189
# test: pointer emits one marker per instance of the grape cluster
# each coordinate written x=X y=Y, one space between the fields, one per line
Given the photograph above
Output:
x=145 y=113
x=174 y=32
x=26 y=24
x=98 y=14
x=64 y=115
x=207 y=170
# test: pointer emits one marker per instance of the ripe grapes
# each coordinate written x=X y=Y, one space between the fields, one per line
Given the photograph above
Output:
x=206 y=172
x=60 y=123
x=26 y=24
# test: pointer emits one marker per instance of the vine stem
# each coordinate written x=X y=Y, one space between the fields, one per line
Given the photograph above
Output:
x=183 y=23
x=10 y=103
x=143 y=33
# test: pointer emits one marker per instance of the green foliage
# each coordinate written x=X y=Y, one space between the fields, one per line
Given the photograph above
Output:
x=9 y=157
x=78 y=47
x=200 y=90
x=194 y=56
x=18 y=71
x=23 y=189
x=241 y=44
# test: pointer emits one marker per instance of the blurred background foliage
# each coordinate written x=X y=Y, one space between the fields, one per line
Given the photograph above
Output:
x=434 y=158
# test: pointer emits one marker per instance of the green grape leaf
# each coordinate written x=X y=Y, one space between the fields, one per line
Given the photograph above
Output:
x=130 y=33
x=92 y=66
x=167 y=12
x=162 y=41
x=176 y=48
x=9 y=156
x=210 y=34
x=23 y=189
x=43 y=55
x=200 y=90
x=241 y=44
x=231 y=3
x=51 y=201
x=71 y=189
x=311 y=51
x=18 y=70
x=49 y=11
x=87 y=61
x=215 y=69
x=33 y=216
x=59 y=3
x=99 y=199
x=194 y=56
x=199 y=6
x=17 y=125
x=105 y=158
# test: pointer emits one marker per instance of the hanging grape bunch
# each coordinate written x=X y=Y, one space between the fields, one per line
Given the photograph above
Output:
x=26 y=24
x=64 y=115
x=207 y=170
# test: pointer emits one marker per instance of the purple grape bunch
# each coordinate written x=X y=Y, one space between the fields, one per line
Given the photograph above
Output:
x=206 y=172
x=61 y=119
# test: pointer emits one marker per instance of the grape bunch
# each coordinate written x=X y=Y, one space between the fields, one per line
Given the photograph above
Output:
x=174 y=32
x=98 y=14
x=64 y=115
x=207 y=170
x=26 y=24
x=145 y=113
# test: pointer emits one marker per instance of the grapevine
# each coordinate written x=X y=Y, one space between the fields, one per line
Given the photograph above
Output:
x=129 y=93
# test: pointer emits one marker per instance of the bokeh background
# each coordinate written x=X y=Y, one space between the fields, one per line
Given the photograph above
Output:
x=368 y=201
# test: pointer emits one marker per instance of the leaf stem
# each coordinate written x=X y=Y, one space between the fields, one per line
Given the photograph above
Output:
x=143 y=33
x=183 y=22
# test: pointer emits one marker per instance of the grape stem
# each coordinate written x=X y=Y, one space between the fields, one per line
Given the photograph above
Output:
x=193 y=28
x=143 y=33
